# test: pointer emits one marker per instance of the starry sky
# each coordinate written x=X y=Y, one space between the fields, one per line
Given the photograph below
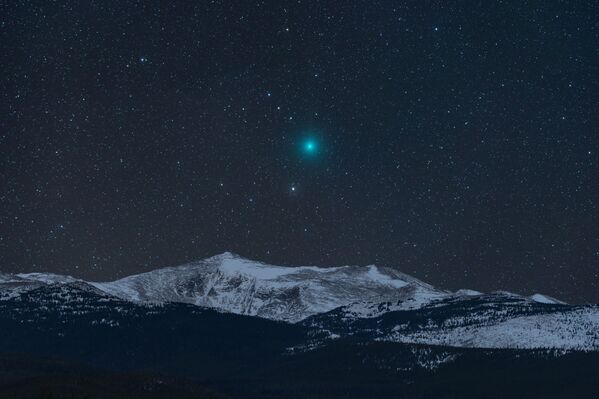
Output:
x=457 y=141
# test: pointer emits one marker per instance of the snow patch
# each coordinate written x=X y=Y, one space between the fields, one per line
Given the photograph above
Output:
x=540 y=298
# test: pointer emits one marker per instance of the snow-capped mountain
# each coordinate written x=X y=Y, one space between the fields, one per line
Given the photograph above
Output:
x=234 y=284
x=368 y=303
x=496 y=320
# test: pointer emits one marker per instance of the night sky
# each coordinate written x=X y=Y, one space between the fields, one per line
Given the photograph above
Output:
x=456 y=141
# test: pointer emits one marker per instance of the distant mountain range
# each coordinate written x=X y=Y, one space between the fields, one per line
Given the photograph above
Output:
x=227 y=318
x=233 y=284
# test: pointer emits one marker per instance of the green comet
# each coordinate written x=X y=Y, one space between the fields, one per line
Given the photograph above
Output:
x=310 y=146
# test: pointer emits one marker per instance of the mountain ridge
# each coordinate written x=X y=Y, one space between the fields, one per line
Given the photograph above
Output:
x=368 y=303
x=233 y=283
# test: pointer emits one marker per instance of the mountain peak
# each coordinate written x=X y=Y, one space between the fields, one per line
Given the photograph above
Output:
x=226 y=255
x=232 y=283
x=546 y=299
x=236 y=284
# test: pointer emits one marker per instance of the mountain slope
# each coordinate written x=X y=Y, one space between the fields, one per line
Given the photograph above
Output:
x=485 y=321
x=251 y=357
x=234 y=284
x=371 y=303
x=369 y=331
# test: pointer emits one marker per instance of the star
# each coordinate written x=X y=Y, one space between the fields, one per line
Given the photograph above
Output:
x=277 y=134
